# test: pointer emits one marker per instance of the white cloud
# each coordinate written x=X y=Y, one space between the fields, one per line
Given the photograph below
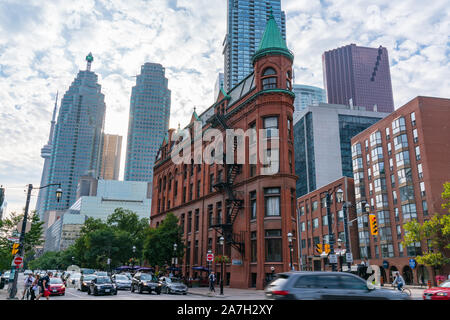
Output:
x=43 y=45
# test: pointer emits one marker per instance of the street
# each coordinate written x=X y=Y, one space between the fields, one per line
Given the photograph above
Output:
x=193 y=294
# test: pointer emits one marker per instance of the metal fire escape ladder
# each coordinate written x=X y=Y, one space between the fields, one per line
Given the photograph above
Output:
x=234 y=204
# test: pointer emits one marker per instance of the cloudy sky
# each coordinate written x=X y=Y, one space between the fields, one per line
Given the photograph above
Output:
x=43 y=44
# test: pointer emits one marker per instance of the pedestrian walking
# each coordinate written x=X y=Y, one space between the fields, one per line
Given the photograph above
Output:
x=35 y=288
x=212 y=279
x=44 y=283
x=27 y=285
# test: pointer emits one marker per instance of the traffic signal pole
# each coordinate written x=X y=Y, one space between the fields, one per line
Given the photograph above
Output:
x=13 y=289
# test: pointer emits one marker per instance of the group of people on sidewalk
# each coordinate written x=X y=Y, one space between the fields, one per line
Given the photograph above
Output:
x=36 y=287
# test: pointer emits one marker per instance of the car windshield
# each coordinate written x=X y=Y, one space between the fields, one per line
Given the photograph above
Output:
x=147 y=277
x=445 y=284
x=121 y=277
x=89 y=278
x=173 y=280
x=101 y=273
x=103 y=280
x=55 y=281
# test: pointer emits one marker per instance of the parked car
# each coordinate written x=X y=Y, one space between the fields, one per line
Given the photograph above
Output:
x=27 y=272
x=87 y=271
x=441 y=292
x=145 y=282
x=173 y=285
x=85 y=282
x=122 y=281
x=101 y=273
x=102 y=285
x=6 y=276
x=56 y=286
x=317 y=285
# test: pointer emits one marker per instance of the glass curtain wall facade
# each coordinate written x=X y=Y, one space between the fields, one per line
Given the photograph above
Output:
x=246 y=22
x=359 y=74
x=148 y=122
x=78 y=139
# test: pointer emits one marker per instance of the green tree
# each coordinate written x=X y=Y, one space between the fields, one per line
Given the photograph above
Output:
x=436 y=232
x=158 y=243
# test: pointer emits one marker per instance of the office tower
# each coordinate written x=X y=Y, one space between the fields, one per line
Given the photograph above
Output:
x=77 y=143
x=2 y=201
x=306 y=96
x=359 y=76
x=112 y=148
x=218 y=85
x=46 y=153
x=322 y=143
x=246 y=22
x=400 y=166
x=148 y=122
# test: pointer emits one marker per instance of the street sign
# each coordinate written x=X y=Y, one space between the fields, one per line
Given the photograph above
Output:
x=412 y=263
x=332 y=258
x=349 y=257
x=236 y=262
x=13 y=239
x=210 y=257
x=18 y=261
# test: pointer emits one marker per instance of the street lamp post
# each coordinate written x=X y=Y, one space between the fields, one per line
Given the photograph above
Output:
x=330 y=231
x=13 y=290
x=340 y=197
x=222 y=243
x=174 y=257
x=289 y=235
x=339 y=242
x=132 y=263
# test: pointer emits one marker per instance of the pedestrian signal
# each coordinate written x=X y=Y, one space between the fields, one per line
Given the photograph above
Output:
x=318 y=248
x=373 y=224
x=15 y=248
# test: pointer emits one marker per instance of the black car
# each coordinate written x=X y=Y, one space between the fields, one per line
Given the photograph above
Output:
x=145 y=282
x=318 y=285
x=85 y=282
x=102 y=285
x=122 y=281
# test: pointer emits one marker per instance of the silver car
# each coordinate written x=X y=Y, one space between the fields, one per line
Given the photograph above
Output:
x=318 y=285
x=173 y=285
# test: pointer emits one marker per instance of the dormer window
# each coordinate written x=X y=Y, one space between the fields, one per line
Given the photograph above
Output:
x=269 y=79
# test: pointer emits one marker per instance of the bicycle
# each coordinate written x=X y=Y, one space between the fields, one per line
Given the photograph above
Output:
x=403 y=289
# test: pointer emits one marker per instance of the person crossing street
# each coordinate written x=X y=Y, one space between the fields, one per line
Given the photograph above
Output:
x=212 y=279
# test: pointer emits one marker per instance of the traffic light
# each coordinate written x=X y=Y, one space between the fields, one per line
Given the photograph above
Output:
x=327 y=248
x=319 y=248
x=15 y=248
x=373 y=224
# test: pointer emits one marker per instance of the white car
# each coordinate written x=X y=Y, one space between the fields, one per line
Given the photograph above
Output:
x=27 y=272
x=74 y=279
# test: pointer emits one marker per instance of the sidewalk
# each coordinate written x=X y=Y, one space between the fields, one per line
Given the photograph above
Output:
x=229 y=293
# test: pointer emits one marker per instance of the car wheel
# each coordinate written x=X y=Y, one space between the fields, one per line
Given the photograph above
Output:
x=184 y=293
x=95 y=292
x=158 y=292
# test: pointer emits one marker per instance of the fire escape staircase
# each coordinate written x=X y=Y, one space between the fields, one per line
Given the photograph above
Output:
x=233 y=203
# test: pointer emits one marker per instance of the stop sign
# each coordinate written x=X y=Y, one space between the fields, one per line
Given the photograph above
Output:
x=18 y=260
x=210 y=257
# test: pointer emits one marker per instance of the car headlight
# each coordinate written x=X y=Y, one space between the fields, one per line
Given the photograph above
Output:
x=159 y=284
x=63 y=287
x=441 y=294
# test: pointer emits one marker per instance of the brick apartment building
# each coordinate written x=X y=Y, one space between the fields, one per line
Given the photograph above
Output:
x=400 y=164
x=313 y=224
x=253 y=210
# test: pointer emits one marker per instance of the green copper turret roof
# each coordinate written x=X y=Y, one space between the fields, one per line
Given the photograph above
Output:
x=272 y=42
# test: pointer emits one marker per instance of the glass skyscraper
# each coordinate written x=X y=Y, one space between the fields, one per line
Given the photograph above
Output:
x=246 y=22
x=148 y=122
x=78 y=138
x=306 y=96
x=358 y=76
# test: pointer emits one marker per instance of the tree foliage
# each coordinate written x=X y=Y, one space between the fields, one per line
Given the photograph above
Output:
x=158 y=243
x=436 y=231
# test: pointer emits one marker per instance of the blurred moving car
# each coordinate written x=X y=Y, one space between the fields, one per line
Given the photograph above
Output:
x=145 y=282
x=85 y=282
x=74 y=279
x=122 y=281
x=322 y=285
x=173 y=285
x=87 y=271
x=441 y=292
x=102 y=285
x=56 y=286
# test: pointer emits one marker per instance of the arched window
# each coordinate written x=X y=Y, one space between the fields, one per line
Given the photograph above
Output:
x=288 y=80
x=269 y=79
